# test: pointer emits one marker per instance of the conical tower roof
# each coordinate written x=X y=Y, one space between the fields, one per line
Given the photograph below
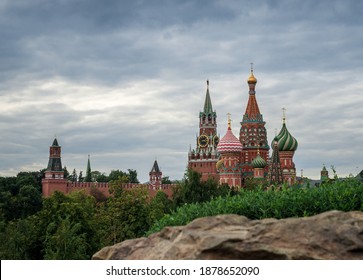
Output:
x=208 y=109
x=55 y=143
x=155 y=167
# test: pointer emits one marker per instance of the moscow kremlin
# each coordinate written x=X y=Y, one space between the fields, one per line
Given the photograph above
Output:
x=230 y=160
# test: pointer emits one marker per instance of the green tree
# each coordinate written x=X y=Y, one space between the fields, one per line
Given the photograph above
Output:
x=29 y=201
x=74 y=213
x=67 y=241
x=124 y=216
x=21 y=239
x=97 y=176
x=192 y=189
x=159 y=206
x=133 y=176
x=80 y=176
x=27 y=179
x=66 y=173
x=165 y=180
x=73 y=177
x=116 y=174
x=26 y=201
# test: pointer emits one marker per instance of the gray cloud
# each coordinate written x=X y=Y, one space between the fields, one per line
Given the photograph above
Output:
x=124 y=80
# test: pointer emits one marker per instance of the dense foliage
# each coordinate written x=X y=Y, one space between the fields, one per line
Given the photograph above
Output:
x=77 y=225
x=346 y=195
x=72 y=226
x=192 y=189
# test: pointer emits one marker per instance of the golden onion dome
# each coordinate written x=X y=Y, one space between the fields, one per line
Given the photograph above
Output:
x=252 y=79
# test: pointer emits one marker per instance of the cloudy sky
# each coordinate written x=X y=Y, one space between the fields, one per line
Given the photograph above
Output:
x=124 y=81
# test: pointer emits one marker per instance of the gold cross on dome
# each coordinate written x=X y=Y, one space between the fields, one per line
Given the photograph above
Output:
x=283 y=114
x=229 y=120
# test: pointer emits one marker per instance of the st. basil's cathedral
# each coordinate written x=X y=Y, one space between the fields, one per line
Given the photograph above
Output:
x=232 y=160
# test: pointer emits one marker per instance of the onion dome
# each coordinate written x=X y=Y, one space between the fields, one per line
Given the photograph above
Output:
x=259 y=162
x=286 y=141
x=229 y=143
x=252 y=79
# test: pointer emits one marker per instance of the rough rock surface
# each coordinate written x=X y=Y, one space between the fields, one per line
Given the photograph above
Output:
x=330 y=235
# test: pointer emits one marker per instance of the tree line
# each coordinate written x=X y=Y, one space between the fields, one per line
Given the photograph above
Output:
x=77 y=225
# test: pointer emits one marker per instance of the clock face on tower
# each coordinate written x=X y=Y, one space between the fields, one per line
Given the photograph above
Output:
x=203 y=141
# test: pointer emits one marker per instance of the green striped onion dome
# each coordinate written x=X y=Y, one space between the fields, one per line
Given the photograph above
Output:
x=286 y=141
x=259 y=162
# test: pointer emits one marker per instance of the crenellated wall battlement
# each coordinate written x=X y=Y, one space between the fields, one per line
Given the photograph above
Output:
x=66 y=187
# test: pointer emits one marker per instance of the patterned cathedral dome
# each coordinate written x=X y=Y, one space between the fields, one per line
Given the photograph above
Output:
x=259 y=162
x=229 y=142
x=286 y=141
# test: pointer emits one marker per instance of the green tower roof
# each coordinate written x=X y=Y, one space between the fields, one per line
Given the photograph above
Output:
x=155 y=167
x=208 y=109
x=55 y=143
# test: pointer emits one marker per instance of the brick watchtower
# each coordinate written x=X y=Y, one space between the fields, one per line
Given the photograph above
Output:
x=253 y=135
x=54 y=175
x=155 y=176
x=204 y=158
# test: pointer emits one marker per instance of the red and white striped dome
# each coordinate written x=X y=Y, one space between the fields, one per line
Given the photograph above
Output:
x=229 y=143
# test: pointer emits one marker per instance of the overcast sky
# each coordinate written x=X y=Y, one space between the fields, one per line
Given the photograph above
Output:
x=124 y=81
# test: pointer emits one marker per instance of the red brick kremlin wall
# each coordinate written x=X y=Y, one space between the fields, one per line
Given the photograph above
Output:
x=66 y=187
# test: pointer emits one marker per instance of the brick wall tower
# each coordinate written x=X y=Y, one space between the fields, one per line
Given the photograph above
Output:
x=228 y=166
x=204 y=158
x=54 y=175
x=287 y=145
x=253 y=135
x=155 y=176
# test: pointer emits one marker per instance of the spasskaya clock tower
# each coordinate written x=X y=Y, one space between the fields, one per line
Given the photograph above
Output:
x=203 y=159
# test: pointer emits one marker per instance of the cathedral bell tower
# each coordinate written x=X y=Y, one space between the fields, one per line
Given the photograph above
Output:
x=204 y=157
x=253 y=134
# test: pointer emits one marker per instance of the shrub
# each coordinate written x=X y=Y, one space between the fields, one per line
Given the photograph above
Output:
x=344 y=195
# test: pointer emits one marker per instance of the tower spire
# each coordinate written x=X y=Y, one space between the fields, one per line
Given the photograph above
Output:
x=208 y=109
x=252 y=110
x=88 y=177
